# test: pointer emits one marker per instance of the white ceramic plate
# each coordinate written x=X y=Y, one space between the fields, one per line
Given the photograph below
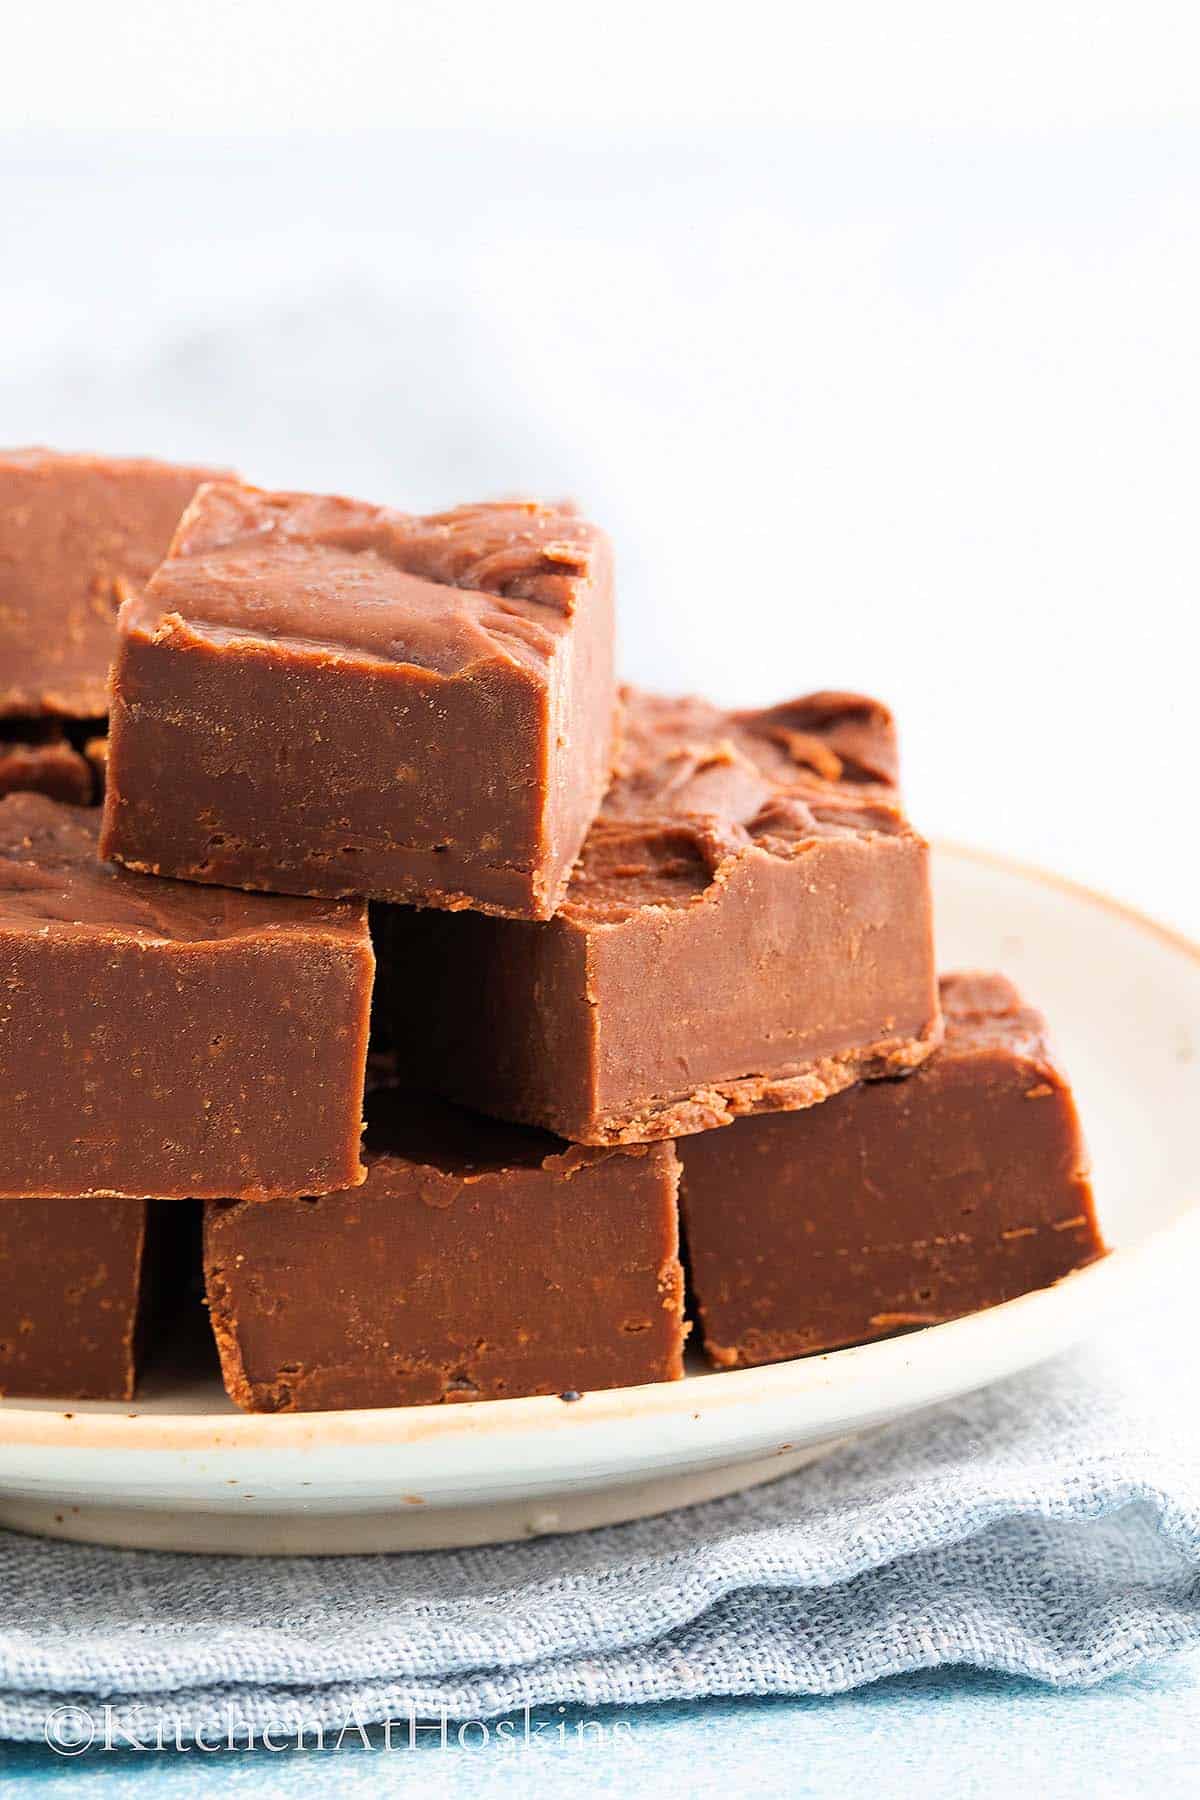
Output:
x=181 y=1469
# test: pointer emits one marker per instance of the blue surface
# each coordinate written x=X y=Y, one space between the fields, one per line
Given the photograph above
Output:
x=965 y=1735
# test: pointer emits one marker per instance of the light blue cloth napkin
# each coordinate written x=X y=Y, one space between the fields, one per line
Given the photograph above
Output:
x=1049 y=1527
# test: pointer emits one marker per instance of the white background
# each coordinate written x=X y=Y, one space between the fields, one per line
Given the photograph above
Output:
x=872 y=337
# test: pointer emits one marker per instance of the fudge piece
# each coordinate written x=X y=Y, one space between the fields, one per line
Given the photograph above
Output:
x=357 y=701
x=77 y=1281
x=77 y=535
x=95 y=750
x=37 y=757
x=161 y=1039
x=747 y=929
x=478 y=1261
x=899 y=1203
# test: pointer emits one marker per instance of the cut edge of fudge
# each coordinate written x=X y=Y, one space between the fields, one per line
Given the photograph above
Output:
x=79 y=1328
x=985 y=1017
x=82 y=942
x=110 y=1316
x=431 y=1155
x=709 y=1108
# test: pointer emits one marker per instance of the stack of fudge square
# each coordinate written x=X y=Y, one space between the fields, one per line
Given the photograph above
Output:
x=458 y=1025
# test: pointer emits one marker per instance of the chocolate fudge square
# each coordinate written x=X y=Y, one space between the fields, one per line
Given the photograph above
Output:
x=160 y=1039
x=748 y=929
x=478 y=1261
x=77 y=1288
x=357 y=701
x=78 y=534
x=899 y=1203
x=38 y=757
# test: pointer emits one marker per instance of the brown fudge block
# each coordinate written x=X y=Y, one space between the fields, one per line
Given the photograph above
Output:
x=747 y=929
x=357 y=701
x=899 y=1203
x=162 y=1039
x=477 y=1262
x=76 y=1285
x=78 y=534
x=37 y=757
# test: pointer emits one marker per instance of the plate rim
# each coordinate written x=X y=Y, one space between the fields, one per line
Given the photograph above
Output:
x=66 y=1428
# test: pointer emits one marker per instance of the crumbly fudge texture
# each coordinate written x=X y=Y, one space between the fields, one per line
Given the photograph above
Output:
x=897 y=1204
x=38 y=757
x=162 y=1039
x=748 y=929
x=78 y=534
x=477 y=1262
x=76 y=1284
x=358 y=701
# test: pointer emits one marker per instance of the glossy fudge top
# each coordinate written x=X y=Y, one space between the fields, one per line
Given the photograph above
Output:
x=985 y=1012
x=341 y=579
x=52 y=882
x=695 y=786
x=689 y=756
x=78 y=534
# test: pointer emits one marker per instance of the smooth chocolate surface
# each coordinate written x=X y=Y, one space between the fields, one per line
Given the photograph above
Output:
x=353 y=700
x=75 y=1286
x=897 y=1204
x=158 y=1038
x=78 y=534
x=748 y=929
x=478 y=1261
x=38 y=757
